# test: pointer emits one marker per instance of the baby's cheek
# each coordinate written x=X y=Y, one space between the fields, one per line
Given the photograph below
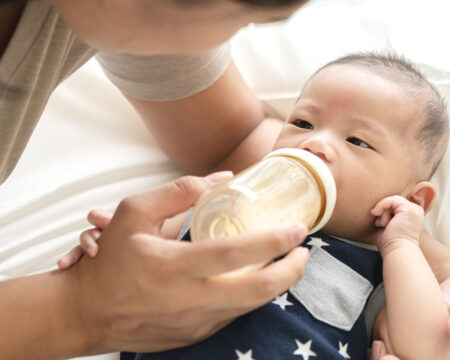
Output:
x=288 y=138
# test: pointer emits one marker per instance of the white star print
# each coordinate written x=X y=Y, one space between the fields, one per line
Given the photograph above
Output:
x=317 y=242
x=282 y=301
x=247 y=356
x=343 y=350
x=304 y=349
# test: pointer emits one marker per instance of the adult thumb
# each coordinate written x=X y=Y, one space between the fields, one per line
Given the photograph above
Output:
x=176 y=196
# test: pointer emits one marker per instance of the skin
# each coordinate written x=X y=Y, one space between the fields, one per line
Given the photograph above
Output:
x=128 y=298
x=361 y=124
x=325 y=122
x=158 y=26
x=359 y=128
x=163 y=308
x=104 y=25
x=409 y=292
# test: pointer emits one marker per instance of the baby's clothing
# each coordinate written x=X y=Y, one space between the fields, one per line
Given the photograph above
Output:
x=327 y=315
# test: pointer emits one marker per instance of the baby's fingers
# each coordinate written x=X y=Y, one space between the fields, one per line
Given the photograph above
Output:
x=88 y=241
x=383 y=219
x=99 y=218
x=383 y=211
x=70 y=258
x=386 y=204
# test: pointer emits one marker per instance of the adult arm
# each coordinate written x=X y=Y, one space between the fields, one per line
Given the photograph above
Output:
x=40 y=317
x=197 y=106
x=142 y=292
x=199 y=131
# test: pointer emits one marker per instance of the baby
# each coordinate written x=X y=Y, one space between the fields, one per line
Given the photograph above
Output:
x=381 y=128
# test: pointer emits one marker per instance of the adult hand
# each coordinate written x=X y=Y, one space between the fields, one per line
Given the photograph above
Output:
x=144 y=293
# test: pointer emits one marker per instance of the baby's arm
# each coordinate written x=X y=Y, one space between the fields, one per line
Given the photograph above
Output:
x=414 y=325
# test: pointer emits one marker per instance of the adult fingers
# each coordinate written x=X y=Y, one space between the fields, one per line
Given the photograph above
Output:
x=213 y=257
x=99 y=218
x=70 y=258
x=169 y=199
x=259 y=287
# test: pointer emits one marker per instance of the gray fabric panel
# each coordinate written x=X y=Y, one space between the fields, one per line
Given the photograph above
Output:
x=165 y=77
x=376 y=303
x=332 y=291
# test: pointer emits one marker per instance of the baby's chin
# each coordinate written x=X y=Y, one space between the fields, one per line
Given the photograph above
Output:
x=367 y=234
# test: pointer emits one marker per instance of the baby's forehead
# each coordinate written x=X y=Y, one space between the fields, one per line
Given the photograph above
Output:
x=360 y=89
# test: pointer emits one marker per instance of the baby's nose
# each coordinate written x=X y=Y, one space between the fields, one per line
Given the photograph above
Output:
x=321 y=148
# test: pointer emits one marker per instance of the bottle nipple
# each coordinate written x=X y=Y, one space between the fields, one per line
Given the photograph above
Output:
x=224 y=224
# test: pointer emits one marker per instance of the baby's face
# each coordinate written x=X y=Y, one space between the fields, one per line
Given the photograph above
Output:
x=363 y=127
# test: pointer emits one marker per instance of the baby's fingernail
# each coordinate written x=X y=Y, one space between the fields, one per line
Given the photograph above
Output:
x=96 y=234
x=218 y=177
x=89 y=249
x=62 y=263
x=376 y=350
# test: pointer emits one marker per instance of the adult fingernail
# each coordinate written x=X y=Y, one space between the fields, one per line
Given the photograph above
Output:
x=218 y=177
x=304 y=252
x=298 y=233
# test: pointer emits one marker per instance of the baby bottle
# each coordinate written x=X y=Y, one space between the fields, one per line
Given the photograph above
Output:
x=288 y=185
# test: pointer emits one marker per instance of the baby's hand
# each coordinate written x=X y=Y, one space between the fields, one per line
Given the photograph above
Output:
x=401 y=219
x=88 y=239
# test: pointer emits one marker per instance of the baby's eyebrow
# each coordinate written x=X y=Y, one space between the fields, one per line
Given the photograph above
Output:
x=307 y=105
x=370 y=124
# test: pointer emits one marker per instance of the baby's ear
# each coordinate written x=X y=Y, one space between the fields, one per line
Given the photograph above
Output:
x=423 y=194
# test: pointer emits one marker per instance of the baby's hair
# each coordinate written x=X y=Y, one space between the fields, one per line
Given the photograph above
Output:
x=433 y=134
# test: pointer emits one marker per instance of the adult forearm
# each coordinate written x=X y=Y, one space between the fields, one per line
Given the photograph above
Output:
x=417 y=314
x=437 y=255
x=40 y=319
x=200 y=131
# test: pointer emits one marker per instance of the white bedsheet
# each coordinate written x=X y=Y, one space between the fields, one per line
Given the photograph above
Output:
x=90 y=149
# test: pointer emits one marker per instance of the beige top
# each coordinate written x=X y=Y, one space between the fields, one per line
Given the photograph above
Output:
x=44 y=51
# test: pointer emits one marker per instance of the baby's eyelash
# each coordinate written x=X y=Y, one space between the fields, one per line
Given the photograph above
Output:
x=358 y=142
x=303 y=124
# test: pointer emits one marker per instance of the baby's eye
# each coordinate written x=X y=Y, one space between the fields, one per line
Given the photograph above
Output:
x=359 y=142
x=303 y=124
